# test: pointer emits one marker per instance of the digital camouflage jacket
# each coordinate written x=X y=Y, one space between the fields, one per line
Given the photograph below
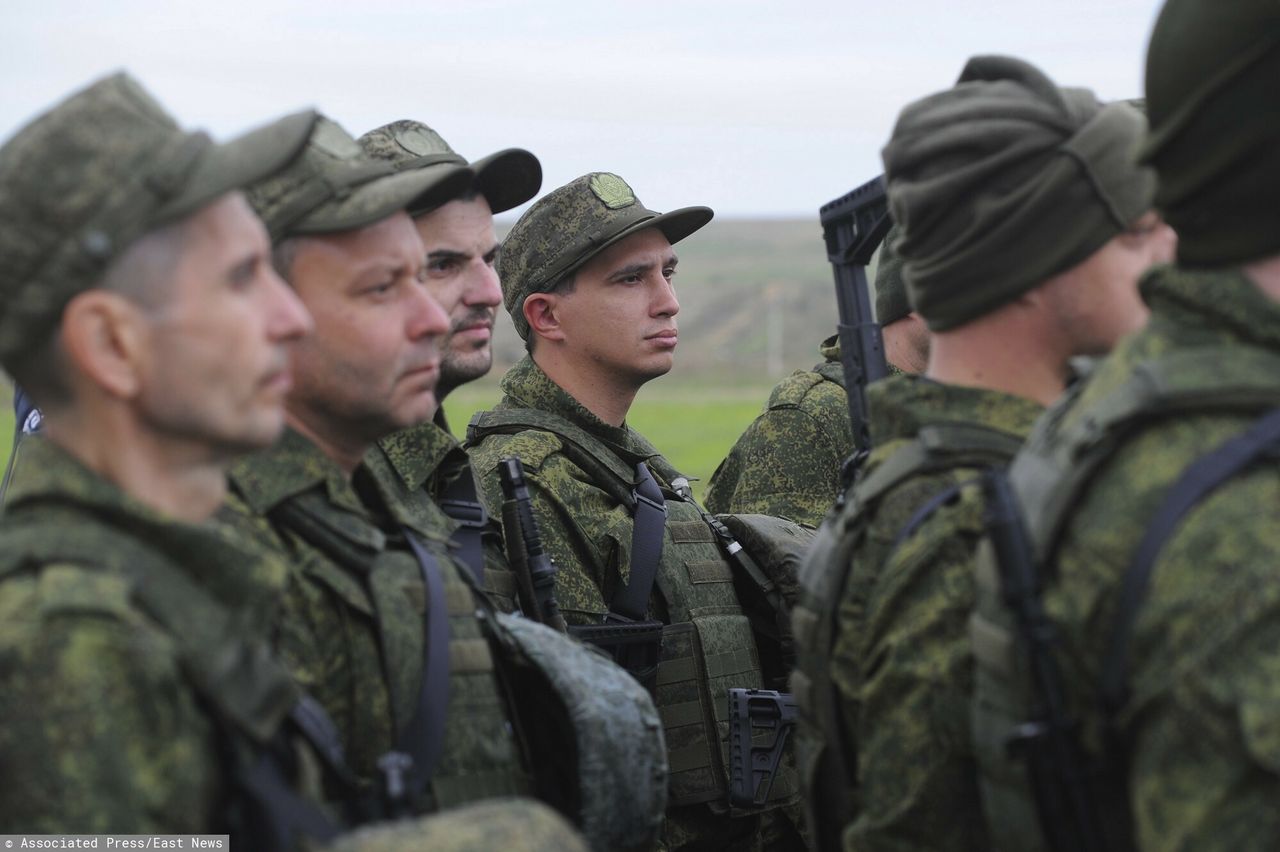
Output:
x=1200 y=730
x=351 y=627
x=899 y=579
x=105 y=728
x=787 y=463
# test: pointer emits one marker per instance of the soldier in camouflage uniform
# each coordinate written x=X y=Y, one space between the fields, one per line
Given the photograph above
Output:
x=788 y=461
x=884 y=672
x=461 y=249
x=1179 y=713
x=587 y=278
x=140 y=309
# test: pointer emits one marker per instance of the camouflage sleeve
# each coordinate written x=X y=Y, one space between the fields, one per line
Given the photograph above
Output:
x=504 y=825
x=786 y=464
x=101 y=733
x=915 y=766
x=579 y=522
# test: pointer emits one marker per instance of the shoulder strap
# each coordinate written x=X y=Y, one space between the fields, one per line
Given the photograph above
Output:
x=461 y=502
x=649 y=520
x=832 y=371
x=407 y=772
x=1198 y=481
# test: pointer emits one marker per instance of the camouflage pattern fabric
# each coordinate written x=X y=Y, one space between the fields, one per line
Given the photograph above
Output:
x=103 y=729
x=587 y=532
x=414 y=467
x=1200 y=725
x=900 y=660
x=500 y=825
x=350 y=627
x=787 y=463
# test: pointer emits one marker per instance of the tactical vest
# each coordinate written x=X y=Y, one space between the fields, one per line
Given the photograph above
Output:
x=825 y=749
x=707 y=641
x=263 y=722
x=480 y=758
x=1048 y=479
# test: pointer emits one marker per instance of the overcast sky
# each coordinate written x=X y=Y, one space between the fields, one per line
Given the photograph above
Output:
x=752 y=107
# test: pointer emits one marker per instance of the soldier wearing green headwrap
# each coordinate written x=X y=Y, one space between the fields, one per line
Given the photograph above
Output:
x=788 y=461
x=458 y=236
x=139 y=308
x=1024 y=227
x=1168 y=671
x=587 y=278
x=438 y=700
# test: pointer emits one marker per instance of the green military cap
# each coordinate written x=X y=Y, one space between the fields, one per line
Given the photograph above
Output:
x=1214 y=106
x=506 y=179
x=1005 y=180
x=334 y=186
x=891 y=289
x=86 y=179
x=569 y=226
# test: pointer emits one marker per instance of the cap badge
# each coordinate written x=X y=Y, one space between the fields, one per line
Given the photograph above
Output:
x=612 y=190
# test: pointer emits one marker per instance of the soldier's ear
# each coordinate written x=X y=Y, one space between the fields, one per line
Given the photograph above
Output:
x=104 y=336
x=541 y=311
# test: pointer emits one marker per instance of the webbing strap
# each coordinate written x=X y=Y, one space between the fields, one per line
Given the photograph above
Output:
x=1200 y=479
x=282 y=814
x=926 y=511
x=650 y=518
x=461 y=503
x=423 y=737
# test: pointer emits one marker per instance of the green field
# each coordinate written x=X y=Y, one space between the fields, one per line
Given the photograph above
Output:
x=693 y=425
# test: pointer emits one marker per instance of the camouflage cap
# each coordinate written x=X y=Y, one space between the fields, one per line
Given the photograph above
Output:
x=506 y=179
x=569 y=226
x=334 y=186
x=86 y=179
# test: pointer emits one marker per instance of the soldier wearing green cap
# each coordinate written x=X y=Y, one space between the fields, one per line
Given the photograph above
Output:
x=393 y=636
x=1149 y=496
x=141 y=311
x=788 y=461
x=1024 y=228
x=587 y=276
x=461 y=251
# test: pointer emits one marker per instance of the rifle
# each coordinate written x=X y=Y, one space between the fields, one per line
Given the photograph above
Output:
x=1059 y=772
x=535 y=573
x=853 y=226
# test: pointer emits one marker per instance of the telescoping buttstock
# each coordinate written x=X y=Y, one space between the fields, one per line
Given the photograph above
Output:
x=752 y=767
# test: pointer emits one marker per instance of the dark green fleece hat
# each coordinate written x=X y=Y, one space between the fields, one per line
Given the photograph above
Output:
x=82 y=182
x=1005 y=180
x=569 y=226
x=892 y=303
x=1213 y=98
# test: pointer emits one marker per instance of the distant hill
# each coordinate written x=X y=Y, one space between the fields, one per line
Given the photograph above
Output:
x=742 y=284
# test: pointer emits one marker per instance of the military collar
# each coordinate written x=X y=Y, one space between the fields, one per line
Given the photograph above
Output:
x=527 y=386
x=51 y=479
x=293 y=465
x=900 y=406
x=416 y=453
x=1233 y=305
